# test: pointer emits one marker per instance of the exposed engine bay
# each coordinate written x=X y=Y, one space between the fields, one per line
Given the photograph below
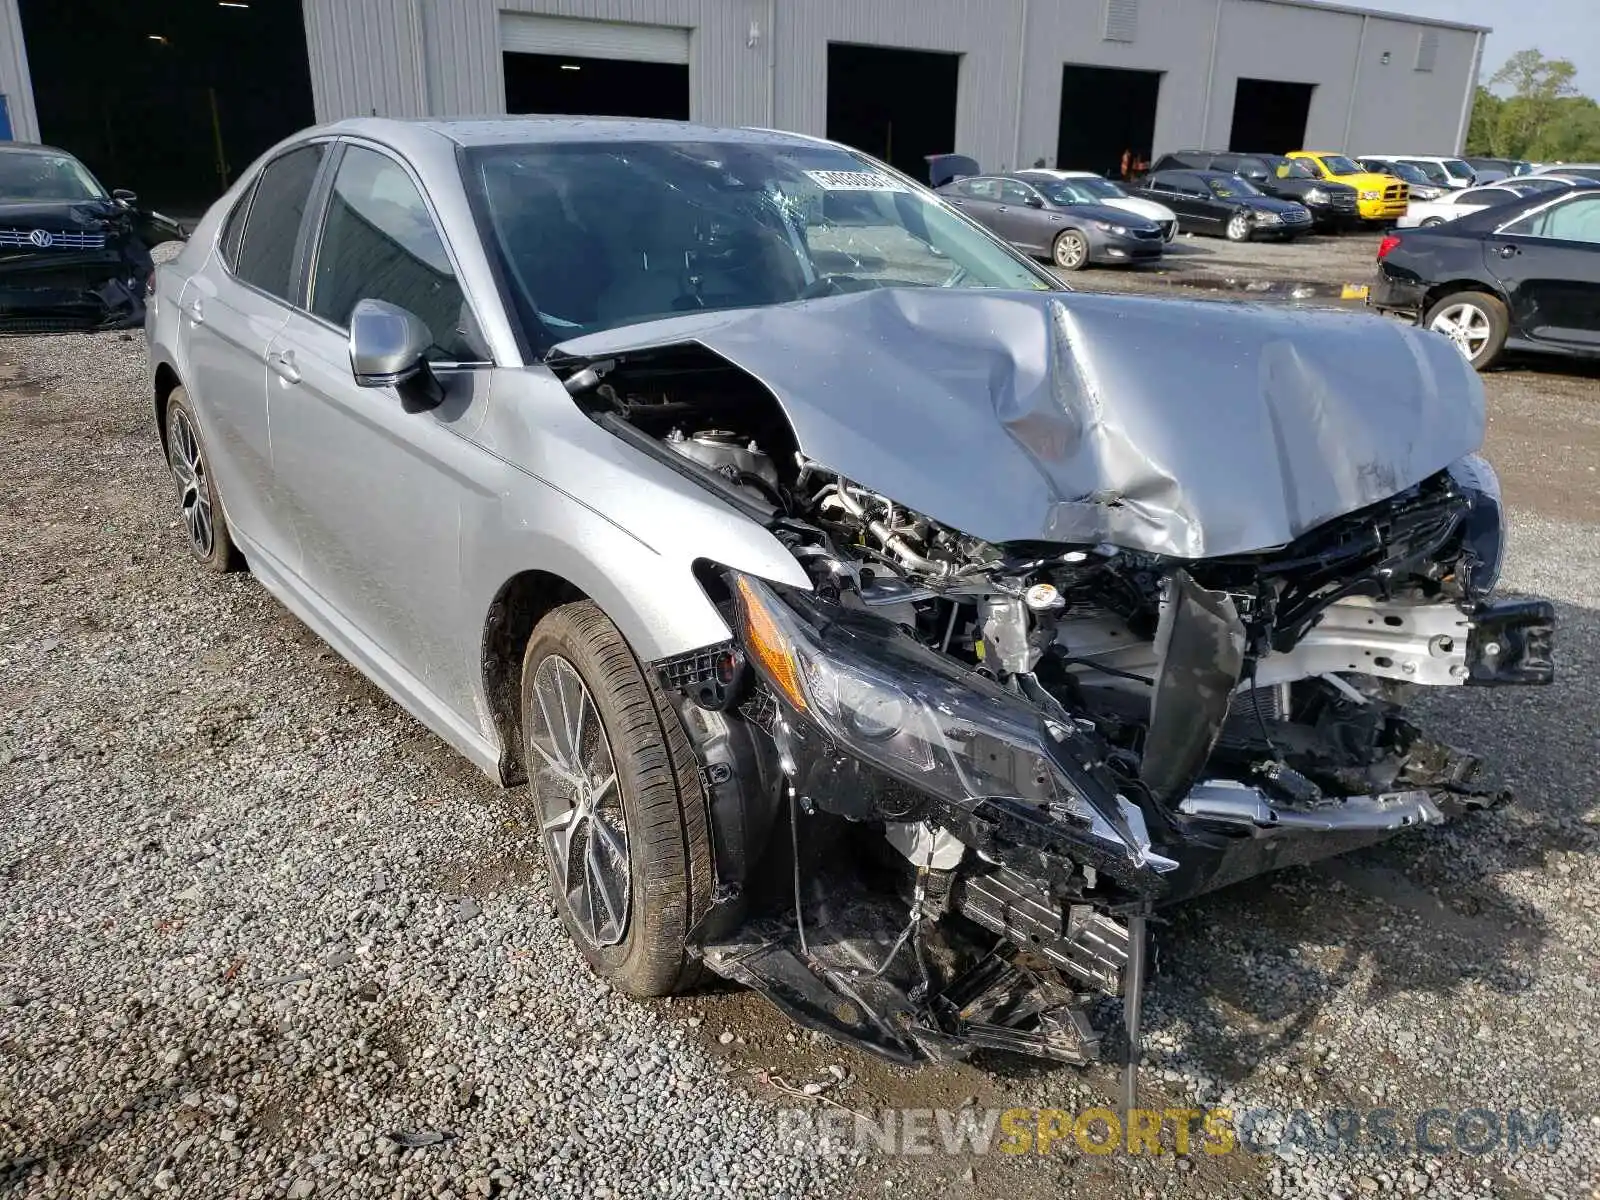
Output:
x=994 y=759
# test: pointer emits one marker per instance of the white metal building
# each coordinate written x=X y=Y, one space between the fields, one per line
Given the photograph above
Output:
x=1005 y=81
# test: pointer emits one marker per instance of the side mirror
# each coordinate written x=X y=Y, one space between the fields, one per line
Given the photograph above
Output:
x=387 y=348
x=1034 y=202
x=124 y=195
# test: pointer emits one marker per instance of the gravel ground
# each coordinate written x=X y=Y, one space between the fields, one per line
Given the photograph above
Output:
x=263 y=935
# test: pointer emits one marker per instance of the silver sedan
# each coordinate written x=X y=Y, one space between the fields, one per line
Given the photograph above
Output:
x=875 y=623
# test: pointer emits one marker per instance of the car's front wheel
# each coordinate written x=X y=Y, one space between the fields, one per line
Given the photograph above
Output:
x=204 y=525
x=1239 y=227
x=1475 y=321
x=616 y=792
x=1071 y=250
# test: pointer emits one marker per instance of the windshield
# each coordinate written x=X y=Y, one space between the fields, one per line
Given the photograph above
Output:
x=1404 y=172
x=29 y=175
x=1098 y=189
x=1232 y=186
x=1458 y=168
x=1071 y=191
x=1338 y=164
x=593 y=235
x=1433 y=171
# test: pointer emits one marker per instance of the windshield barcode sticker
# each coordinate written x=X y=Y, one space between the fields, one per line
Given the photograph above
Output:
x=854 y=181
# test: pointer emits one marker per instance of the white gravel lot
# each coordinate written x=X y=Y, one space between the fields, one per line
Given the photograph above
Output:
x=263 y=935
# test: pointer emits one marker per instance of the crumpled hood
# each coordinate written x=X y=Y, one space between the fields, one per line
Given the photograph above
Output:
x=1188 y=428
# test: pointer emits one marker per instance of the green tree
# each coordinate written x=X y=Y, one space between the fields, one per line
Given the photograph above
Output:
x=1486 y=108
x=1538 y=86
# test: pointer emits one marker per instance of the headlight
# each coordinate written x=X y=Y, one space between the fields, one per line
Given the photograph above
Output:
x=852 y=682
x=1372 y=195
x=1483 y=533
x=1108 y=227
x=1267 y=218
x=1317 y=196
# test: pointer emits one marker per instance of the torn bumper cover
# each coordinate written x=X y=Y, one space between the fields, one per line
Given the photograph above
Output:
x=46 y=289
x=870 y=725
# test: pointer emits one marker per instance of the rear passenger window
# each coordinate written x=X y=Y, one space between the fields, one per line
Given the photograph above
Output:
x=233 y=229
x=380 y=243
x=266 y=253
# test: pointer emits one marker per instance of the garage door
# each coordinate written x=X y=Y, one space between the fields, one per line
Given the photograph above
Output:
x=525 y=33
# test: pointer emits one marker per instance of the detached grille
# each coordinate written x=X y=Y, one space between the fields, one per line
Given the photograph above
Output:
x=49 y=239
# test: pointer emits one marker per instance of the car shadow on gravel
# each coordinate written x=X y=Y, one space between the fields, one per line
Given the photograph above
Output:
x=1252 y=967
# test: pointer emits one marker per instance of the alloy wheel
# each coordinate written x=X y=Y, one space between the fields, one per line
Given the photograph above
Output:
x=1239 y=227
x=194 y=494
x=1466 y=325
x=580 y=803
x=1071 y=251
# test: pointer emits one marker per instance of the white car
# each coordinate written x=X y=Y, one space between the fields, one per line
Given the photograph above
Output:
x=1425 y=214
x=1112 y=195
x=1442 y=172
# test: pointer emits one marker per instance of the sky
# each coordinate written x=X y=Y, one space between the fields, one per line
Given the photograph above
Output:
x=1556 y=28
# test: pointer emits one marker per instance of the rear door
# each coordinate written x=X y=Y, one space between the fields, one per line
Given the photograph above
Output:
x=230 y=314
x=1163 y=187
x=1024 y=220
x=1205 y=213
x=1549 y=263
x=378 y=490
x=979 y=198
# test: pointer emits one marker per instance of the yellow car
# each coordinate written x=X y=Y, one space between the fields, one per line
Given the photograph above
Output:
x=1378 y=197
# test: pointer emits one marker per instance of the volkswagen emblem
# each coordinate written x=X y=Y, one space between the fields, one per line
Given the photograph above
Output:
x=42 y=238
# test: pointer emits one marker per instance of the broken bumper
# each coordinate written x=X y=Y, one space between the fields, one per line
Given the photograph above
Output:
x=1014 y=823
x=69 y=293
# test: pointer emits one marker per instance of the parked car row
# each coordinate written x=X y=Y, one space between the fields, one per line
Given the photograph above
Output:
x=1074 y=220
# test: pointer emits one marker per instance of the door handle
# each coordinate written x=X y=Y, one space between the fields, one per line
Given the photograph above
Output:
x=282 y=364
x=1000 y=208
x=1510 y=251
x=197 y=312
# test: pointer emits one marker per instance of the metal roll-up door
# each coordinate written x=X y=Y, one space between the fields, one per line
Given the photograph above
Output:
x=526 y=33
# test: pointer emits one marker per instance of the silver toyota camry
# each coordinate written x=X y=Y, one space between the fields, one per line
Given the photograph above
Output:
x=872 y=621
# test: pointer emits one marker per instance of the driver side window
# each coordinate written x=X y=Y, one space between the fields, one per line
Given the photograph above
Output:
x=1012 y=192
x=379 y=242
x=982 y=189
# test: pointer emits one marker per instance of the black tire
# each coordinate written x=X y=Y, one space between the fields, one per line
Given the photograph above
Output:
x=1432 y=223
x=1465 y=310
x=662 y=805
x=200 y=504
x=1238 y=228
x=1070 y=250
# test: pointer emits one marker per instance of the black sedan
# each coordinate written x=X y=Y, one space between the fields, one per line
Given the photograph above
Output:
x=1056 y=219
x=1225 y=205
x=71 y=256
x=1332 y=205
x=1518 y=276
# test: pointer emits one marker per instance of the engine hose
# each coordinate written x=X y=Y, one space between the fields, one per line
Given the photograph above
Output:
x=892 y=541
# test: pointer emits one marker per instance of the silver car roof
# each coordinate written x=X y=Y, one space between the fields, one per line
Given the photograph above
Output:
x=522 y=130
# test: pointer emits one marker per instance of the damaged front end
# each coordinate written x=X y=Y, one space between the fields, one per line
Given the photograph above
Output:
x=947 y=782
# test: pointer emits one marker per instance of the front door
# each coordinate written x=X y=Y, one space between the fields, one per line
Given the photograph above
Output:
x=1549 y=263
x=378 y=490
